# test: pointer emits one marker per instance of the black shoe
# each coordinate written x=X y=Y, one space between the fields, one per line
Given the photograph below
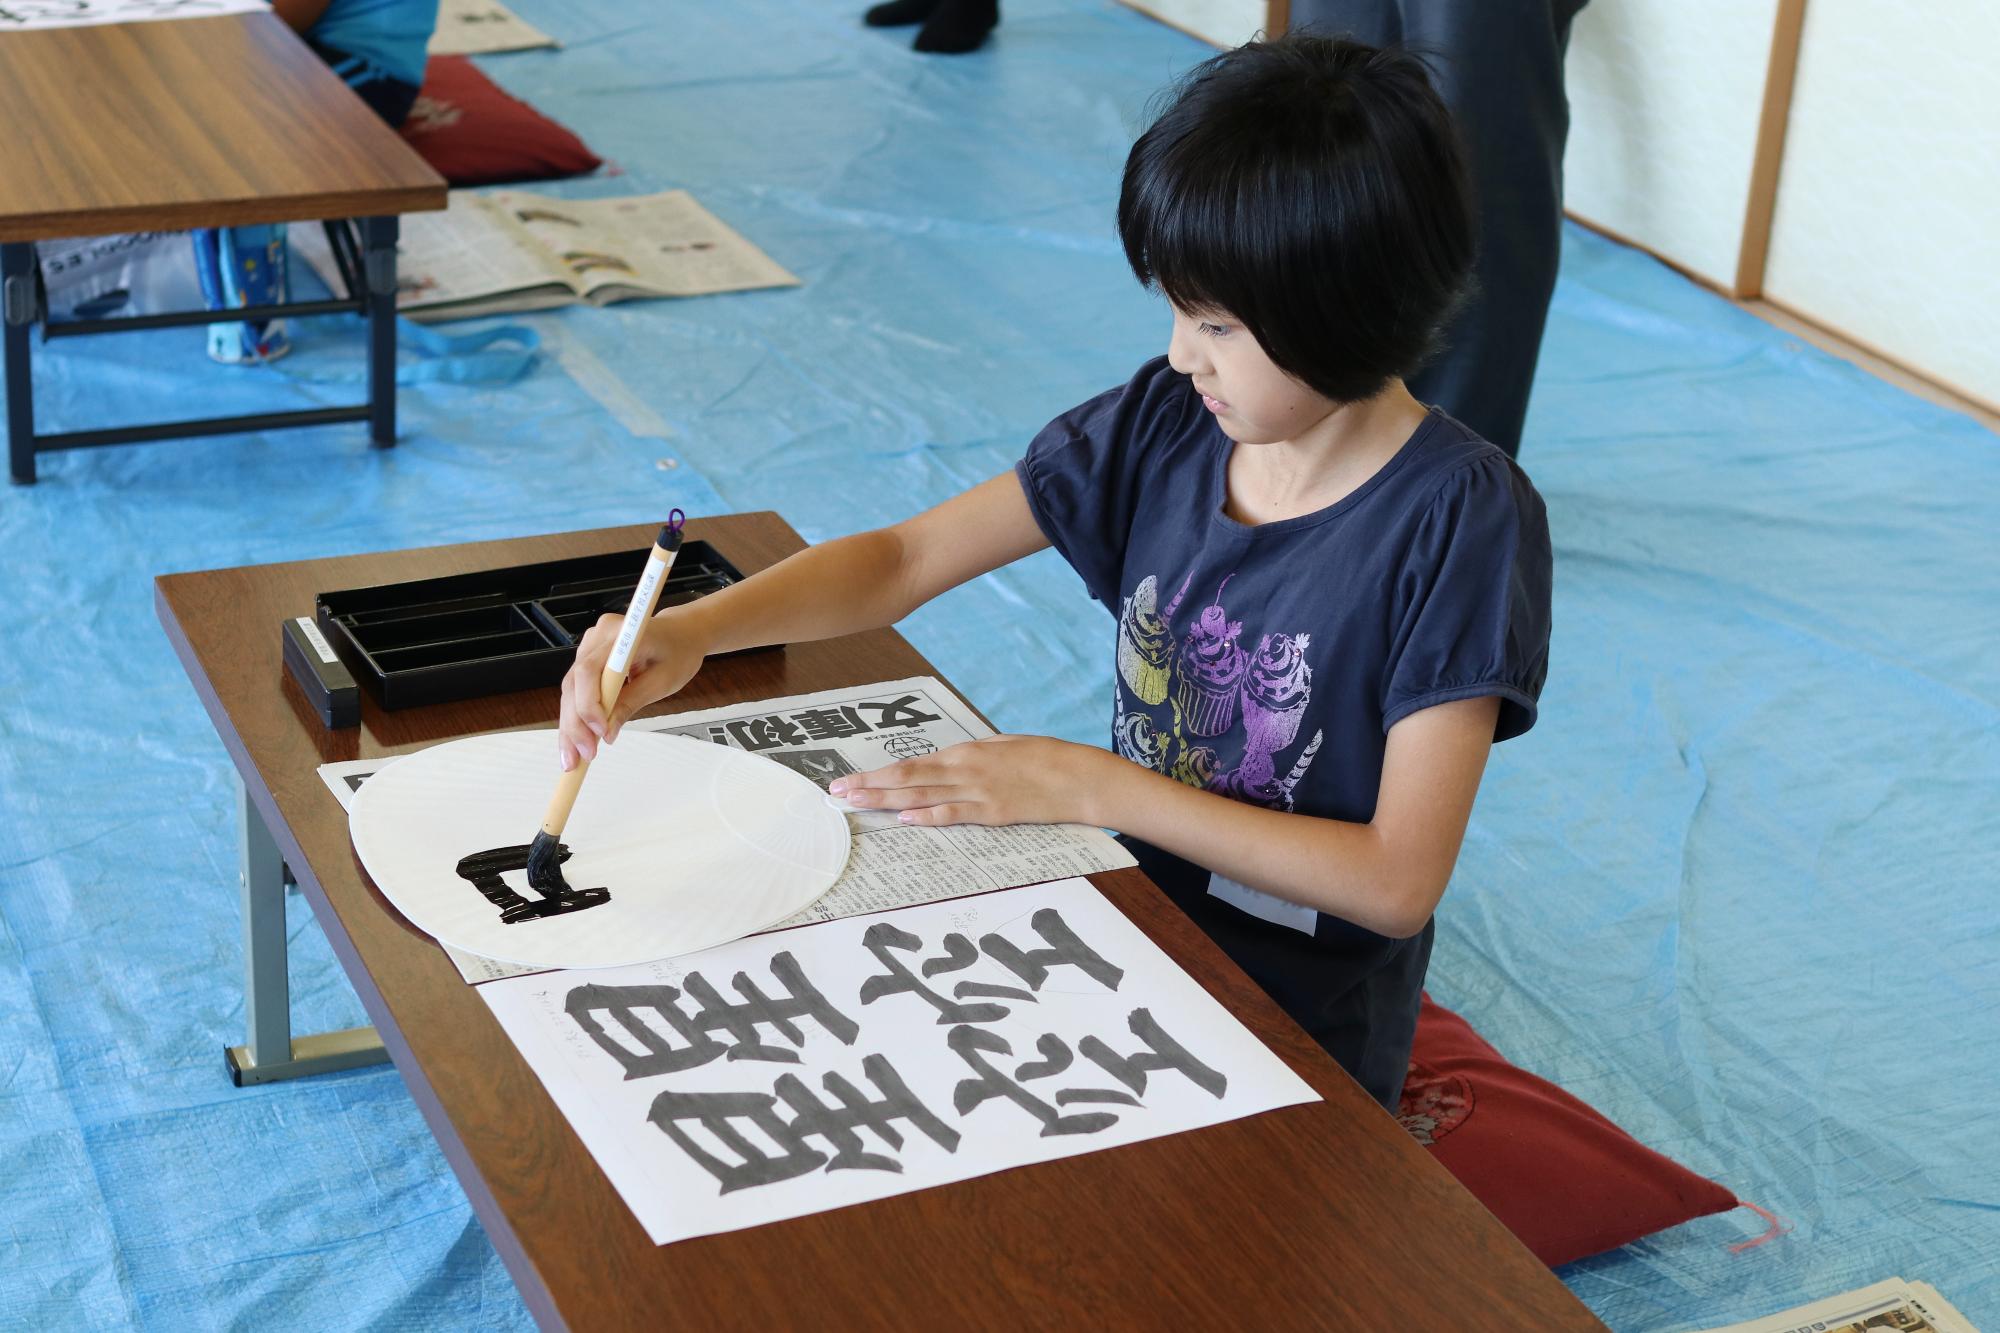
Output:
x=958 y=26
x=899 y=13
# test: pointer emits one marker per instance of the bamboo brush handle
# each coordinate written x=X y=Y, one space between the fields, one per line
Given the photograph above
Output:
x=571 y=783
x=645 y=598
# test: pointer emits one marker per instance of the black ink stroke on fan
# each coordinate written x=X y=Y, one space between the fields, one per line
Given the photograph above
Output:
x=483 y=870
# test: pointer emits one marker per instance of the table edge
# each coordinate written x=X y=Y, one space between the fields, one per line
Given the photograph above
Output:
x=520 y=1266
x=56 y=226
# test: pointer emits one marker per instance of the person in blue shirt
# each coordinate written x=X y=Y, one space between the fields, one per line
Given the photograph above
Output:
x=1331 y=600
x=376 y=46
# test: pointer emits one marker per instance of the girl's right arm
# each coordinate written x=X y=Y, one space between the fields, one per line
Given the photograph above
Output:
x=839 y=587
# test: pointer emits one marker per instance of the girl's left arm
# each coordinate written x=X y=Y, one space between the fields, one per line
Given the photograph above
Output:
x=300 y=15
x=1386 y=875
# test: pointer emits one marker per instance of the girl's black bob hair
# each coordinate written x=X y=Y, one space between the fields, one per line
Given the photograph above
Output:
x=1313 y=190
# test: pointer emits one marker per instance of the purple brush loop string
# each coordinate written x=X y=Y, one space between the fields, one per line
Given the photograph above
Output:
x=676 y=520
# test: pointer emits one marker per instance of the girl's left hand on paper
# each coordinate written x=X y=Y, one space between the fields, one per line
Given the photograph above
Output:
x=997 y=780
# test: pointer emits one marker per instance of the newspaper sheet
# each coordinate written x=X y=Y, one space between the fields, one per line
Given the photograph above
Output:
x=1893 y=1306
x=464 y=253
x=25 y=15
x=853 y=730
x=643 y=245
x=507 y=250
x=483 y=27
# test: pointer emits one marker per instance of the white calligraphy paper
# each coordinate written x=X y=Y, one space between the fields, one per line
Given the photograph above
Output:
x=825 y=735
x=809 y=1069
x=24 y=15
x=674 y=845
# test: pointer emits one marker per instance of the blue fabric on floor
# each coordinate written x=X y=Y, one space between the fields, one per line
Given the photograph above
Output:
x=1735 y=890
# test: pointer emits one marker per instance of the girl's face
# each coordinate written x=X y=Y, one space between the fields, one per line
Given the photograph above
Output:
x=1253 y=401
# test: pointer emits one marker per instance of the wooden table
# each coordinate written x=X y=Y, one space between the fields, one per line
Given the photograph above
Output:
x=1324 y=1215
x=211 y=122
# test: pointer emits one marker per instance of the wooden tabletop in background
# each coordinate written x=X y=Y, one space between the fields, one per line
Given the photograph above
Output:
x=208 y=122
x=1324 y=1215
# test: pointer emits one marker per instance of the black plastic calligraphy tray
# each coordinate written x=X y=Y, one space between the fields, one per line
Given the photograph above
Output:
x=466 y=635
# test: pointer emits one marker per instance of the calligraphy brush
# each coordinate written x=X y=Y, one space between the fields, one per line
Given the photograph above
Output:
x=545 y=854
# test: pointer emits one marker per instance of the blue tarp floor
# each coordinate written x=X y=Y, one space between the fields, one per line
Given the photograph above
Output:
x=1737 y=889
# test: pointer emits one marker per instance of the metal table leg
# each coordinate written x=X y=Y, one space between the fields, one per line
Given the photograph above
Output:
x=374 y=294
x=272 y=1053
x=17 y=315
x=378 y=265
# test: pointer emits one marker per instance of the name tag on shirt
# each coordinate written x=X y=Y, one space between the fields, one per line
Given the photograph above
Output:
x=1263 y=906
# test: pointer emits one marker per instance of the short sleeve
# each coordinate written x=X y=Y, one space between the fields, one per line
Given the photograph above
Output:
x=1471 y=611
x=1084 y=471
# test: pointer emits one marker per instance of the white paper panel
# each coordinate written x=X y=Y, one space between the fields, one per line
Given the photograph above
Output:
x=697 y=844
x=1226 y=23
x=1888 y=219
x=1665 y=97
x=854 y=1060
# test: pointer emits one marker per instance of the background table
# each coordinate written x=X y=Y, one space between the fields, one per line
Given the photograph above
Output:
x=211 y=122
x=1318 y=1215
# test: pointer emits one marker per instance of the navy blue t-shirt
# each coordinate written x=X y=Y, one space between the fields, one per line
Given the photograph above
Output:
x=1268 y=662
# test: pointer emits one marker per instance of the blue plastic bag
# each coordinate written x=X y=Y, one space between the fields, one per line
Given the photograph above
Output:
x=243 y=266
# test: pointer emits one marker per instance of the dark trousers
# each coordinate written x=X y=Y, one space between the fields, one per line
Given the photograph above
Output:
x=389 y=98
x=1498 y=64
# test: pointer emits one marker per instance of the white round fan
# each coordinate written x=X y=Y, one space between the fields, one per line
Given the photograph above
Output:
x=675 y=845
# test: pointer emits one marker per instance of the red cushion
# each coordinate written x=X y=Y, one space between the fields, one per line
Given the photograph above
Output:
x=1557 y=1174
x=475 y=134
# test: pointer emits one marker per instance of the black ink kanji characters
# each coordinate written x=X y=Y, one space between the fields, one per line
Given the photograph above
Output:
x=715 y=1112
x=959 y=955
x=484 y=871
x=713 y=1014
x=1164 y=1053
x=973 y=1045
x=764 y=733
x=1064 y=948
x=1061 y=948
x=746 y=1138
x=830 y=724
x=837 y=1124
x=1055 y=1058
x=880 y=938
x=901 y=712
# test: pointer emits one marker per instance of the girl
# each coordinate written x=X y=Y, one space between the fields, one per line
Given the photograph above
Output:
x=1331 y=600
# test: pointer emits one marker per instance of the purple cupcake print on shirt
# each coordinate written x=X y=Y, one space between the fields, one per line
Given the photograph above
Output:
x=1208 y=682
x=1275 y=692
x=1211 y=667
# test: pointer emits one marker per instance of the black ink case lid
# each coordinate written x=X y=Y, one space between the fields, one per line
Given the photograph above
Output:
x=464 y=636
x=328 y=685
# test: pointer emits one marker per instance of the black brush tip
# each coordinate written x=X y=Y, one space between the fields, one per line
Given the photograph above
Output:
x=545 y=858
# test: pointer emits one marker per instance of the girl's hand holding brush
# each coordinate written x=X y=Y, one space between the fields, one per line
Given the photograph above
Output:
x=669 y=651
